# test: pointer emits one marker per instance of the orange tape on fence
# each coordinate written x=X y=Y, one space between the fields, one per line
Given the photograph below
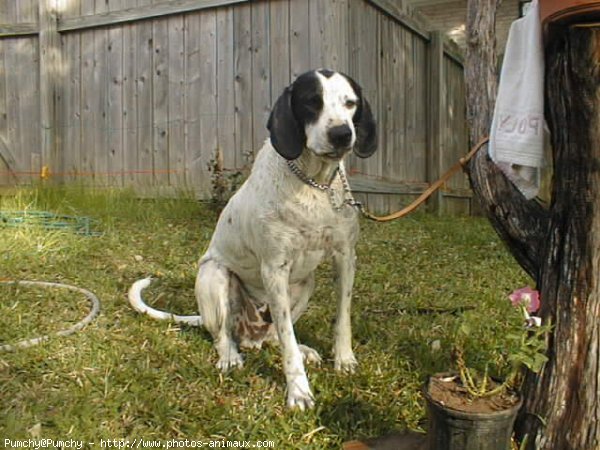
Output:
x=46 y=173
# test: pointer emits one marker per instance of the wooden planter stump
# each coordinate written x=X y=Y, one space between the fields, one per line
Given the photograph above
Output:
x=559 y=246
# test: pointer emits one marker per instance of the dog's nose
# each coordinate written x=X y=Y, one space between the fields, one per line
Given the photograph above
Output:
x=340 y=136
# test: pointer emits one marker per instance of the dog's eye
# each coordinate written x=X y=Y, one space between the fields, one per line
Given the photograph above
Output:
x=350 y=104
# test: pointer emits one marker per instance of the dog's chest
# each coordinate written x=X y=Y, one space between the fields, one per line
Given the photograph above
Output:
x=316 y=239
x=311 y=247
x=319 y=234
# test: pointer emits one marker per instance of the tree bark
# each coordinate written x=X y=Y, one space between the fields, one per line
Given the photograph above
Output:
x=560 y=248
x=521 y=224
x=481 y=78
x=566 y=394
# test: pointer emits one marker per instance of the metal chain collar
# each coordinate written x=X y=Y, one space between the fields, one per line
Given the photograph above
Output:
x=348 y=197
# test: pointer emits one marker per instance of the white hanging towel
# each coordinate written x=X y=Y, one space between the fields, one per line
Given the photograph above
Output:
x=517 y=134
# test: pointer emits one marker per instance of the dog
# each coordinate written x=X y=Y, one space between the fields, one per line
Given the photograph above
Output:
x=294 y=210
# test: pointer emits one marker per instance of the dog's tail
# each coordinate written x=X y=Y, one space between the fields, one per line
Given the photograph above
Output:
x=135 y=298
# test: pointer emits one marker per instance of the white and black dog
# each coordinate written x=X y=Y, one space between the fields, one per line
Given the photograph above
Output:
x=294 y=210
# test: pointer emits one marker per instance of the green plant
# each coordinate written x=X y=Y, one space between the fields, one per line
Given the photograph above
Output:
x=525 y=346
x=224 y=181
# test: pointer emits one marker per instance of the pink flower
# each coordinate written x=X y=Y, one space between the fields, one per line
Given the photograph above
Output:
x=526 y=297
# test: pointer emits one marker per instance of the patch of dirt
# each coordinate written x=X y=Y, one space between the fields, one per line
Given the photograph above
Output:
x=448 y=391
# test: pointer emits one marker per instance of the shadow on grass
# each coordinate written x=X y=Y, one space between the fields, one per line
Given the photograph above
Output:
x=361 y=426
x=345 y=416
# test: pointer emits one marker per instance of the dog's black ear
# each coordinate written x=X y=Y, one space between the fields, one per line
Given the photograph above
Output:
x=366 y=130
x=286 y=136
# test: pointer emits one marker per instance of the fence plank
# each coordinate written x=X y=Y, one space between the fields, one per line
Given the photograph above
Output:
x=129 y=96
x=317 y=9
x=70 y=128
x=88 y=93
x=176 y=99
x=387 y=95
x=19 y=90
x=243 y=51
x=279 y=44
x=363 y=64
x=49 y=67
x=29 y=105
x=208 y=97
x=130 y=110
x=335 y=34
x=225 y=103
x=145 y=124
x=436 y=117
x=100 y=129
x=419 y=139
x=23 y=94
x=376 y=164
x=410 y=110
x=192 y=130
x=261 y=69
x=115 y=106
x=299 y=38
x=455 y=137
x=201 y=126
x=399 y=155
x=160 y=101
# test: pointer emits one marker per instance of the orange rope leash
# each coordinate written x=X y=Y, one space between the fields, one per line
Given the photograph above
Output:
x=434 y=187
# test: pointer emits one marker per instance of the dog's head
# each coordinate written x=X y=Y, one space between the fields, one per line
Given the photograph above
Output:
x=325 y=112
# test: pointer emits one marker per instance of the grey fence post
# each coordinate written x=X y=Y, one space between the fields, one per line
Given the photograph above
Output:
x=436 y=116
x=49 y=67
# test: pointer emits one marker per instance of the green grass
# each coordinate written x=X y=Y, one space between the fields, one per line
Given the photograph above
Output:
x=127 y=376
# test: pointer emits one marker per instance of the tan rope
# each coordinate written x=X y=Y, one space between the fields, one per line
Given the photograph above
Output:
x=431 y=189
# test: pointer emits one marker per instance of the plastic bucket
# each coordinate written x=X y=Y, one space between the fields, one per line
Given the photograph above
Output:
x=451 y=429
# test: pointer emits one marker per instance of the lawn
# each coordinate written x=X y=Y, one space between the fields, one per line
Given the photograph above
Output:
x=126 y=376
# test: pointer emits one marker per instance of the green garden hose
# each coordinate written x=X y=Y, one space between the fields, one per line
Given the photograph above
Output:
x=48 y=221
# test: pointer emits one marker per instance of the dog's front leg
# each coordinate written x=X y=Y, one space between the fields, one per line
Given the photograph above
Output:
x=276 y=282
x=345 y=265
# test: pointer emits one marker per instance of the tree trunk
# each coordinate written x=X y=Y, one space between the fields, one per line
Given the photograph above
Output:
x=560 y=248
x=481 y=79
x=566 y=394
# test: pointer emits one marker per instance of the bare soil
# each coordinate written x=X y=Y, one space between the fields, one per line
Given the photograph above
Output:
x=448 y=391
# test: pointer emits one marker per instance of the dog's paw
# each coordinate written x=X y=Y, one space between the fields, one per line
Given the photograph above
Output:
x=232 y=361
x=299 y=395
x=347 y=363
x=310 y=355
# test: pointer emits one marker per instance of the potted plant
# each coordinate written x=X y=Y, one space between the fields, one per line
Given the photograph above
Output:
x=471 y=409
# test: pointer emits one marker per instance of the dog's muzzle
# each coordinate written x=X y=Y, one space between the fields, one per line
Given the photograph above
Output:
x=340 y=137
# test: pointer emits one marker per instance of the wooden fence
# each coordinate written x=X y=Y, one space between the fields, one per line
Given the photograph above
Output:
x=166 y=95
